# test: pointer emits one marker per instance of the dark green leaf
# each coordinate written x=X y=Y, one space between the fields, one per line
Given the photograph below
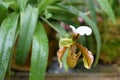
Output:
x=3 y=10
x=92 y=10
x=28 y=20
x=7 y=34
x=56 y=27
x=39 y=54
x=60 y=13
x=105 y=5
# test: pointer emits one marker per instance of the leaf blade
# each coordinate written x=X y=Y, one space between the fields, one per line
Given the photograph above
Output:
x=39 y=54
x=22 y=4
x=7 y=34
x=92 y=10
x=27 y=27
x=44 y=3
x=56 y=27
x=105 y=5
x=3 y=10
x=64 y=60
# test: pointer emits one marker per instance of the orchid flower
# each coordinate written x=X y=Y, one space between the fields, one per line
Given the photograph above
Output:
x=82 y=30
x=67 y=55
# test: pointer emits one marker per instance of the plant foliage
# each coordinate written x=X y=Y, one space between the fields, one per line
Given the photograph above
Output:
x=24 y=20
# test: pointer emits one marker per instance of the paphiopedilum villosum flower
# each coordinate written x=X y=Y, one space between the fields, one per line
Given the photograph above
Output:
x=70 y=51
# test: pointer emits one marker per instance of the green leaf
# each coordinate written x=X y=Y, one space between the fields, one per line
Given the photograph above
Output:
x=57 y=11
x=28 y=20
x=22 y=4
x=64 y=60
x=56 y=27
x=3 y=10
x=7 y=34
x=47 y=14
x=105 y=5
x=44 y=3
x=74 y=2
x=39 y=54
x=92 y=10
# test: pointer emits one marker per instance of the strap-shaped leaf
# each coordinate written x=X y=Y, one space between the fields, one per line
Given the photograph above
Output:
x=105 y=5
x=28 y=20
x=56 y=27
x=39 y=54
x=64 y=60
x=92 y=10
x=3 y=10
x=7 y=34
x=44 y=3
x=58 y=11
x=22 y=4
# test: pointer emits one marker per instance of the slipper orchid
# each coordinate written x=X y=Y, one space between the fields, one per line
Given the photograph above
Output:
x=67 y=55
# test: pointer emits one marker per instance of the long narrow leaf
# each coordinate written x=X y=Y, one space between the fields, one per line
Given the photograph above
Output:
x=58 y=11
x=39 y=54
x=64 y=60
x=107 y=8
x=44 y=3
x=7 y=34
x=92 y=10
x=3 y=10
x=28 y=20
x=22 y=4
x=56 y=27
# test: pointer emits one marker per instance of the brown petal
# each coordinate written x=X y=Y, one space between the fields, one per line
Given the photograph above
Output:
x=72 y=59
x=60 y=54
x=87 y=56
